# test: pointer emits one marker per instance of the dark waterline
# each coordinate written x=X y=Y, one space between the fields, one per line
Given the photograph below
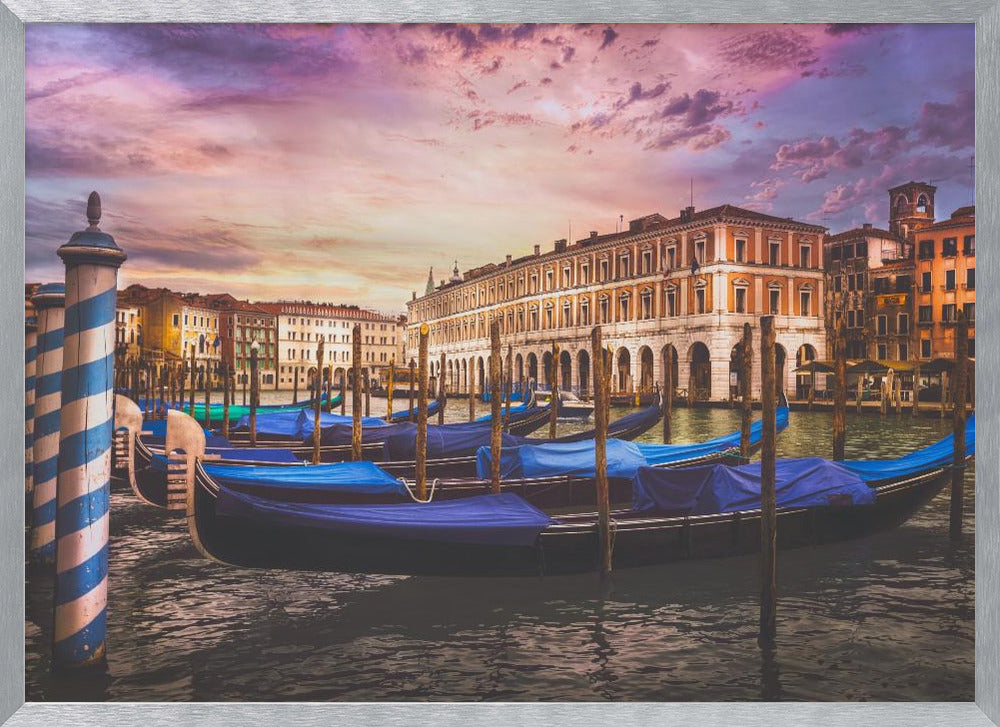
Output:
x=884 y=618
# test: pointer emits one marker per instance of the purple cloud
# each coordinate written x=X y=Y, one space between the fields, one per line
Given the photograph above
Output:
x=608 y=36
x=951 y=125
x=772 y=49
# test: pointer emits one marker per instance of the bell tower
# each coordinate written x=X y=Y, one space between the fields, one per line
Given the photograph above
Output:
x=911 y=207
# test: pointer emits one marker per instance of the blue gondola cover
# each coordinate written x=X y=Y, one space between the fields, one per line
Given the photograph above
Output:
x=299 y=424
x=503 y=519
x=710 y=489
x=345 y=477
x=934 y=456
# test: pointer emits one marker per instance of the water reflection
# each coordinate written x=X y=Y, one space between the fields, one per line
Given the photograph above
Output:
x=889 y=617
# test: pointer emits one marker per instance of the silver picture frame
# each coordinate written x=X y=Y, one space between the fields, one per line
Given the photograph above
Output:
x=14 y=14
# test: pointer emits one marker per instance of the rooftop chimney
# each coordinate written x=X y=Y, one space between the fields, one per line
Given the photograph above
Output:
x=560 y=245
x=538 y=250
x=867 y=226
x=593 y=234
x=509 y=258
x=687 y=214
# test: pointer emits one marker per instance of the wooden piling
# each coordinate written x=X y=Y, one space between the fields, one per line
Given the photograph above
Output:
x=254 y=390
x=317 y=404
x=343 y=393
x=208 y=398
x=958 y=388
x=328 y=377
x=246 y=378
x=839 y=390
x=366 y=375
x=356 y=394
x=495 y=403
x=442 y=392
x=897 y=393
x=554 y=392
x=194 y=382
x=295 y=384
x=915 y=392
x=746 y=399
x=510 y=386
x=668 y=396
x=601 y=396
x=227 y=373
x=163 y=391
x=472 y=392
x=768 y=519
x=861 y=380
x=389 y=389
x=421 y=444
x=412 y=415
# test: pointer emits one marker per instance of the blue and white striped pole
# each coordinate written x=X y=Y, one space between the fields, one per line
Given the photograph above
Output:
x=30 y=354
x=92 y=260
x=48 y=301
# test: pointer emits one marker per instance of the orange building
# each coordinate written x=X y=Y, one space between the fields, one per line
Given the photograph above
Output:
x=945 y=283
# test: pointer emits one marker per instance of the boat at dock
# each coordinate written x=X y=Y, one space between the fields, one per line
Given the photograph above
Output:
x=571 y=406
x=680 y=514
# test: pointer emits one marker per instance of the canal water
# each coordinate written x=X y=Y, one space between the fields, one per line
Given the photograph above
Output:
x=888 y=617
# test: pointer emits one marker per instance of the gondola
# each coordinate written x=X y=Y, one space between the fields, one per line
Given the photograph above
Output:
x=684 y=514
x=550 y=474
x=571 y=406
x=236 y=411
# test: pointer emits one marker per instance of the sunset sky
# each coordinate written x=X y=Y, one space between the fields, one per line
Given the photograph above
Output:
x=339 y=162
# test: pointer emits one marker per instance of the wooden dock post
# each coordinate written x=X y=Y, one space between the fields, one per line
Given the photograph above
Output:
x=442 y=391
x=510 y=386
x=295 y=384
x=746 y=398
x=861 y=380
x=208 y=397
x=554 y=392
x=163 y=391
x=343 y=393
x=601 y=395
x=92 y=260
x=389 y=389
x=768 y=515
x=194 y=382
x=839 y=390
x=959 y=383
x=472 y=393
x=172 y=383
x=421 y=443
x=254 y=391
x=329 y=386
x=356 y=393
x=915 y=392
x=367 y=375
x=246 y=380
x=227 y=373
x=669 y=386
x=317 y=404
x=495 y=421
x=412 y=416
x=897 y=393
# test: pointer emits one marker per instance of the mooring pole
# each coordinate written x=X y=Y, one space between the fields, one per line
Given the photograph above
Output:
x=554 y=399
x=768 y=519
x=92 y=260
x=496 y=424
x=245 y=377
x=389 y=389
x=295 y=385
x=208 y=396
x=172 y=382
x=420 y=465
x=839 y=390
x=317 y=404
x=30 y=358
x=343 y=392
x=329 y=386
x=510 y=386
x=472 y=391
x=194 y=382
x=746 y=396
x=226 y=373
x=442 y=392
x=163 y=391
x=860 y=394
x=959 y=382
x=254 y=390
x=412 y=416
x=601 y=395
x=49 y=301
x=668 y=396
x=915 y=391
x=356 y=394
x=366 y=375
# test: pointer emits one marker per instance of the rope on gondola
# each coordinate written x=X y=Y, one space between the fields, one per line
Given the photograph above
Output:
x=430 y=495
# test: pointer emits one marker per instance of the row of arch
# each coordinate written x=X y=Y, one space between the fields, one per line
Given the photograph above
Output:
x=532 y=367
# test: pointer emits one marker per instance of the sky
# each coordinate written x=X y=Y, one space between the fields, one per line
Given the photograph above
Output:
x=340 y=162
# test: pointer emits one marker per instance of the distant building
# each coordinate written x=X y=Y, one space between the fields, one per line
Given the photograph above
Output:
x=868 y=272
x=240 y=325
x=687 y=283
x=302 y=324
